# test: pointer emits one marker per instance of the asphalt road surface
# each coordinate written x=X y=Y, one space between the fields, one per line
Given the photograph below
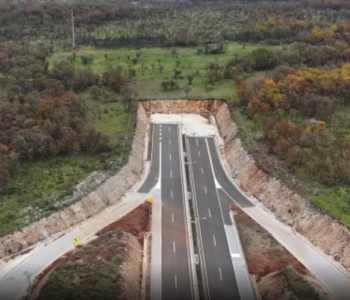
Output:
x=153 y=174
x=220 y=275
x=325 y=271
x=13 y=283
x=176 y=281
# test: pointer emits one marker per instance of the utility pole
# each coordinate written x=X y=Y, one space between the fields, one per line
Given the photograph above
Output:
x=73 y=32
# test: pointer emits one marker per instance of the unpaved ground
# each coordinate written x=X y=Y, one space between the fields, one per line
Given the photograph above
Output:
x=136 y=223
x=120 y=243
x=266 y=258
x=108 y=268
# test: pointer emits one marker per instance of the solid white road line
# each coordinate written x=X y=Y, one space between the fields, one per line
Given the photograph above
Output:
x=199 y=153
x=171 y=194
x=235 y=255
x=214 y=240
x=202 y=171
x=205 y=190
x=172 y=218
x=175 y=282
x=209 y=212
x=220 y=274
x=174 y=248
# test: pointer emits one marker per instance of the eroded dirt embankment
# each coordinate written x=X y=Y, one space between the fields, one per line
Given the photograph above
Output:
x=107 y=194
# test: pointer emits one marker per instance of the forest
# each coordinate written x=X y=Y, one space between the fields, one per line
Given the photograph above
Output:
x=284 y=67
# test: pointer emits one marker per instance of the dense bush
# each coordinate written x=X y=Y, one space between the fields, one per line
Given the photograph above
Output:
x=40 y=114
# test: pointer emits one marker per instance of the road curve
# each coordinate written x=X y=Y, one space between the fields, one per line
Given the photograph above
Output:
x=335 y=281
x=220 y=274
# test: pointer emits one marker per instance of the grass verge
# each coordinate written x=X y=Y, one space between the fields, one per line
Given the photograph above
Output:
x=300 y=287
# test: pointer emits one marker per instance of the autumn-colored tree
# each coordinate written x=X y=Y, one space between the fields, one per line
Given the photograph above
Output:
x=265 y=107
x=322 y=126
x=270 y=91
x=44 y=106
x=241 y=88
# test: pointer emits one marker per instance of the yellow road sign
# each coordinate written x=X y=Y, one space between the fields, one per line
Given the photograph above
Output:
x=149 y=198
x=75 y=240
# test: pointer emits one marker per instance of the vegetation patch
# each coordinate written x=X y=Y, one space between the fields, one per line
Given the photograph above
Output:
x=96 y=269
x=92 y=272
x=57 y=126
x=166 y=72
x=265 y=256
x=300 y=287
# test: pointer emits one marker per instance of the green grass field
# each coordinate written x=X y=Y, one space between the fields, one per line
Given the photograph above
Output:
x=148 y=82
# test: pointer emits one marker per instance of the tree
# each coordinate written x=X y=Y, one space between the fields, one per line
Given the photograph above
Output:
x=177 y=73
x=322 y=126
x=173 y=52
x=262 y=59
x=187 y=91
x=190 y=78
x=164 y=85
x=214 y=74
x=86 y=60
x=95 y=92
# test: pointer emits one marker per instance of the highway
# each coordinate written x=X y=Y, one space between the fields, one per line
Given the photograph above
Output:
x=336 y=282
x=213 y=215
x=170 y=272
x=176 y=279
x=225 y=275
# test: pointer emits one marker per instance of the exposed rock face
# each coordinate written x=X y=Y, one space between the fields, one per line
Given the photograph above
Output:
x=323 y=231
x=328 y=234
x=107 y=194
x=201 y=107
